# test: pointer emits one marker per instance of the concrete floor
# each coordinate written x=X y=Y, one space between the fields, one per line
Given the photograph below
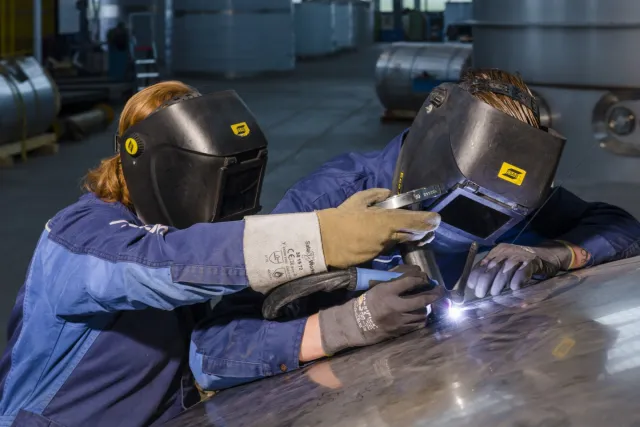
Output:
x=326 y=107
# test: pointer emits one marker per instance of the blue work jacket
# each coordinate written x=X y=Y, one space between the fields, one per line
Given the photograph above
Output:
x=237 y=345
x=99 y=334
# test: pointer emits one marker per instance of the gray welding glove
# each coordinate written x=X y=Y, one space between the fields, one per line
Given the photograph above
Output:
x=513 y=266
x=387 y=310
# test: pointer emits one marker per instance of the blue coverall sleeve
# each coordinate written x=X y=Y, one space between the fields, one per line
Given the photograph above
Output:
x=239 y=346
x=236 y=345
x=97 y=262
x=607 y=232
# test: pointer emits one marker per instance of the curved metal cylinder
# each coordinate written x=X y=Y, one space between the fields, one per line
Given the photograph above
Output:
x=560 y=42
x=402 y=64
x=29 y=99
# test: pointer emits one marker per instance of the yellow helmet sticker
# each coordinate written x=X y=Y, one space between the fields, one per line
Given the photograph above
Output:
x=131 y=146
x=241 y=129
x=563 y=348
x=400 y=181
x=512 y=174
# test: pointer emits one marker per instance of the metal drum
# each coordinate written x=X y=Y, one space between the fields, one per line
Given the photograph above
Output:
x=560 y=42
x=233 y=38
x=29 y=99
x=579 y=59
x=406 y=72
x=315 y=28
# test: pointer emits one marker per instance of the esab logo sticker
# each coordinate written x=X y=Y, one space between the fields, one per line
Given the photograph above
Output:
x=131 y=146
x=241 y=129
x=563 y=348
x=512 y=174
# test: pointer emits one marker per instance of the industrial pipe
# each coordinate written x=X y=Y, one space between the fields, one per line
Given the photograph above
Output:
x=37 y=30
x=406 y=72
x=29 y=99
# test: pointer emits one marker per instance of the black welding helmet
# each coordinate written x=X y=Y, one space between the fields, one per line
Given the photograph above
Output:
x=197 y=158
x=494 y=169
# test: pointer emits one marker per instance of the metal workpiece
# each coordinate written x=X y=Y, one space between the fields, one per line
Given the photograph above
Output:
x=29 y=99
x=560 y=42
x=559 y=353
x=405 y=72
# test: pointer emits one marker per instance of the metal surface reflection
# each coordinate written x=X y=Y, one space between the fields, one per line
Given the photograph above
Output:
x=565 y=352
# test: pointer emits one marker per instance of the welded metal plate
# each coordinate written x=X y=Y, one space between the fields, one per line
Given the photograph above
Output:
x=565 y=352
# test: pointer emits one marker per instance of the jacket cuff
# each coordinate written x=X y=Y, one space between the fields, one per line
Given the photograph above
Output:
x=599 y=248
x=282 y=248
x=282 y=350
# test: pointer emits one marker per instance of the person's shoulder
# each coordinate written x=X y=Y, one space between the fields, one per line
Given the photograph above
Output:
x=89 y=212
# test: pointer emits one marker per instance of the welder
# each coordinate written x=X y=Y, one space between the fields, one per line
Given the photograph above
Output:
x=99 y=335
x=459 y=140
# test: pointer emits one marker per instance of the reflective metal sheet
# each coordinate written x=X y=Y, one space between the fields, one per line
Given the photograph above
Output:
x=565 y=352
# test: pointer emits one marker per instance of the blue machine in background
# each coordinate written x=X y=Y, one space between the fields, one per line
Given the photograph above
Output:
x=456 y=21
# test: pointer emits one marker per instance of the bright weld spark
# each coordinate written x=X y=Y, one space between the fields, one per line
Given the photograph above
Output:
x=456 y=311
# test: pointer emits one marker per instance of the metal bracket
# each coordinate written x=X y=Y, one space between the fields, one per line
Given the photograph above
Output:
x=615 y=123
x=411 y=197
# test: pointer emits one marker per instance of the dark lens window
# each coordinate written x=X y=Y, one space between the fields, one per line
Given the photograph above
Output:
x=472 y=217
x=240 y=191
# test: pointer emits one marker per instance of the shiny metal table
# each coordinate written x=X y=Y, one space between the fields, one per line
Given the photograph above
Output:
x=565 y=352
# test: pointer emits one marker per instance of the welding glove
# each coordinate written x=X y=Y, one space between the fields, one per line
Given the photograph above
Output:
x=355 y=232
x=281 y=248
x=387 y=310
x=513 y=266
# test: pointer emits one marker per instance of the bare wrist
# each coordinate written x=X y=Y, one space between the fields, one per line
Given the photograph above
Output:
x=311 y=347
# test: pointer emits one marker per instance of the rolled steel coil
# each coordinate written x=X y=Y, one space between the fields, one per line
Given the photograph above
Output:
x=29 y=99
x=406 y=71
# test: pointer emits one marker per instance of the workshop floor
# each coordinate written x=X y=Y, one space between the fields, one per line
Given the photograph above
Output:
x=326 y=107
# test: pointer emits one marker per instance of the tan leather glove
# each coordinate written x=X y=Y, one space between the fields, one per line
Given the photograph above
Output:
x=355 y=232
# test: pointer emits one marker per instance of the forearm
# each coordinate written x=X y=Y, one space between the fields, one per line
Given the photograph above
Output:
x=311 y=347
x=119 y=265
x=607 y=233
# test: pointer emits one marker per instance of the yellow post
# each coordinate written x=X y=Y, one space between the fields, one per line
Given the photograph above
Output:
x=12 y=28
x=3 y=18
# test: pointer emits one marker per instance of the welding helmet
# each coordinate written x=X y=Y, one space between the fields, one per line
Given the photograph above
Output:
x=197 y=158
x=493 y=170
